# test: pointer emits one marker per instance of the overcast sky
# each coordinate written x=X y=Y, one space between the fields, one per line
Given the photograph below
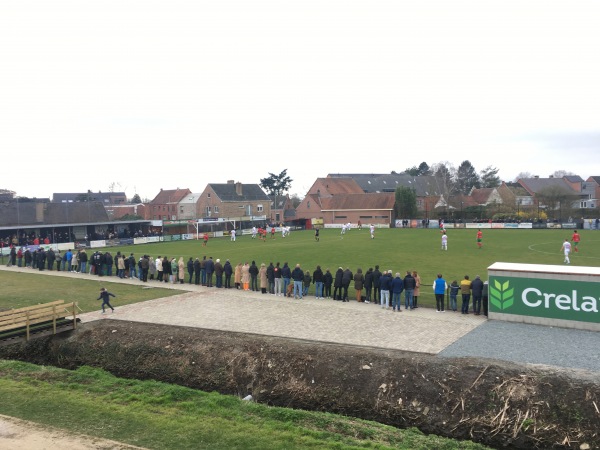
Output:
x=167 y=94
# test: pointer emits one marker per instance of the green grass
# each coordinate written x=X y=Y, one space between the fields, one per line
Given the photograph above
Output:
x=398 y=250
x=163 y=416
x=26 y=289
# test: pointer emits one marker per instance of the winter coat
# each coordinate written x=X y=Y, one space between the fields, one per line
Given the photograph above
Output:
x=359 y=280
x=338 y=278
x=246 y=273
x=327 y=278
x=368 y=279
x=237 y=277
x=262 y=274
x=346 y=277
x=397 y=285
x=317 y=276
x=297 y=274
x=409 y=282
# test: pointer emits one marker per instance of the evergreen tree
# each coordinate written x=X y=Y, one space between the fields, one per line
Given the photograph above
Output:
x=489 y=177
x=406 y=202
x=276 y=184
x=466 y=178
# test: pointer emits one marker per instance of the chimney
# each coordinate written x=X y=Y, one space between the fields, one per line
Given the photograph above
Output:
x=536 y=176
x=230 y=181
x=238 y=188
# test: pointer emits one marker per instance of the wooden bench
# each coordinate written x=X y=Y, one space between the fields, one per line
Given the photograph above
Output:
x=39 y=317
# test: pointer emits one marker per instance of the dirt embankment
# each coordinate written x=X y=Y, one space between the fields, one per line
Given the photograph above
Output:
x=496 y=403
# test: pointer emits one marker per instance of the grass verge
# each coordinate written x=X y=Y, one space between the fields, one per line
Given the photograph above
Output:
x=163 y=416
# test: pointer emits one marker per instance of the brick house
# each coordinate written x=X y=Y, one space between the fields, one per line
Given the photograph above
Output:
x=339 y=200
x=231 y=200
x=165 y=205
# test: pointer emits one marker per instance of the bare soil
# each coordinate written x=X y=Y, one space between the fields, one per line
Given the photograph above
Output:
x=22 y=435
x=500 y=404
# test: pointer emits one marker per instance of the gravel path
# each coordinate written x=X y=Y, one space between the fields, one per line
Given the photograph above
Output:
x=534 y=344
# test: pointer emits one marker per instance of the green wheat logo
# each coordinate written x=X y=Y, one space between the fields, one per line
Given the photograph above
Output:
x=502 y=295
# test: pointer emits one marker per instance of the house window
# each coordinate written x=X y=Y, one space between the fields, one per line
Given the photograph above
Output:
x=259 y=208
x=583 y=205
x=216 y=209
x=341 y=217
x=308 y=204
x=181 y=209
x=208 y=195
x=207 y=211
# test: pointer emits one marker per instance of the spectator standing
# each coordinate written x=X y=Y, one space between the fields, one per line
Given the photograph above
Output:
x=368 y=284
x=317 y=279
x=298 y=277
x=83 y=260
x=465 y=290
x=264 y=280
x=219 y=273
x=477 y=292
x=166 y=264
x=286 y=275
x=227 y=271
x=190 y=269
x=203 y=270
x=246 y=276
x=359 y=282
x=385 y=285
x=454 y=288
x=327 y=282
x=409 y=290
x=417 y=290
x=50 y=257
x=439 y=289
x=197 y=271
x=398 y=285
x=376 y=284
x=307 y=280
x=271 y=278
x=159 y=268
x=151 y=267
x=209 y=266
x=337 y=284
x=237 y=276
x=133 y=266
x=346 y=279
x=253 y=276
x=277 y=279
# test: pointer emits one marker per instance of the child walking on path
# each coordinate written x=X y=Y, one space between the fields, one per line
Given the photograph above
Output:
x=105 y=296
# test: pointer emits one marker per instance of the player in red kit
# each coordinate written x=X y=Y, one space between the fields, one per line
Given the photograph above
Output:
x=575 y=239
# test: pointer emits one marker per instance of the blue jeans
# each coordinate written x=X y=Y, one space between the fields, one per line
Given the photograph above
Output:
x=408 y=298
x=305 y=290
x=203 y=276
x=396 y=300
x=319 y=289
x=453 y=302
x=286 y=282
x=476 y=304
x=82 y=267
x=466 y=298
x=385 y=298
x=121 y=273
x=298 y=289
